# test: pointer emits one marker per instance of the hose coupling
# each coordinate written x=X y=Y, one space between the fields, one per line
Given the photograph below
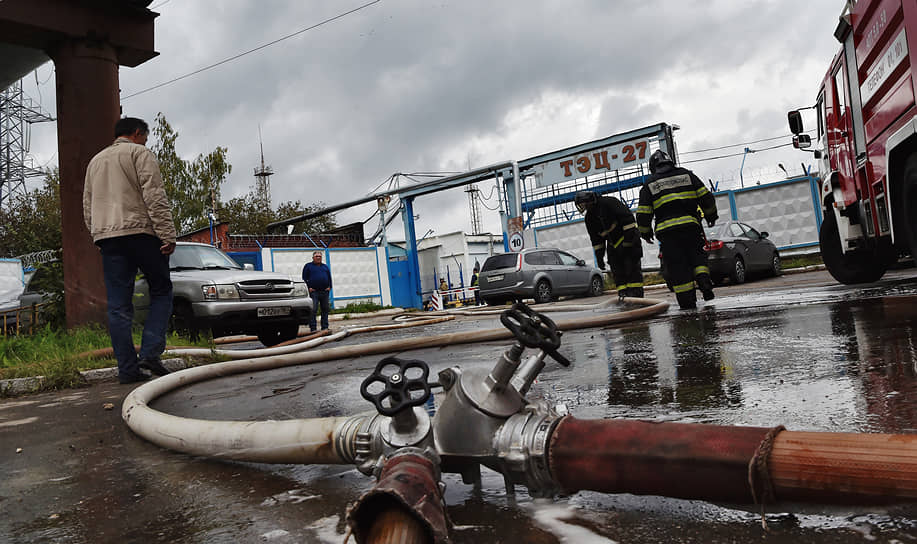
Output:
x=521 y=446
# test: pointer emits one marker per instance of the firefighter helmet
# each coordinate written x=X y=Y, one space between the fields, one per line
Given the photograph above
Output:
x=658 y=158
x=585 y=200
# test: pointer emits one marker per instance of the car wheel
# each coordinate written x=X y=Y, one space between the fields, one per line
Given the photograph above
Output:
x=596 y=286
x=543 y=292
x=738 y=271
x=182 y=321
x=271 y=336
x=775 y=264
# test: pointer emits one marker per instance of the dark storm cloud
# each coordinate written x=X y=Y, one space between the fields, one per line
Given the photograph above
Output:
x=405 y=85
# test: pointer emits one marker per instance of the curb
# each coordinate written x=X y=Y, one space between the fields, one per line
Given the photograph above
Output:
x=19 y=386
x=387 y=311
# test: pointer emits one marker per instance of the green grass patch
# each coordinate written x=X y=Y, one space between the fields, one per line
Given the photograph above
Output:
x=800 y=261
x=55 y=354
x=359 y=308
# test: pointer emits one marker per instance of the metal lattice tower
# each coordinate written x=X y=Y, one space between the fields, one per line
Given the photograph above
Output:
x=474 y=204
x=263 y=176
x=17 y=113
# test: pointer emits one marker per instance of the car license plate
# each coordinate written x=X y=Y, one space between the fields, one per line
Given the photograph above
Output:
x=498 y=277
x=273 y=312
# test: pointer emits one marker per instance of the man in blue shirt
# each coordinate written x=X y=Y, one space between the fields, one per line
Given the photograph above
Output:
x=317 y=276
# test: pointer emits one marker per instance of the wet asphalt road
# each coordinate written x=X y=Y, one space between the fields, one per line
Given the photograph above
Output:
x=799 y=350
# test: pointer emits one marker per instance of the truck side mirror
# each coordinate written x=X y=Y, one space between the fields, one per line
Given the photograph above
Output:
x=795 y=120
x=802 y=141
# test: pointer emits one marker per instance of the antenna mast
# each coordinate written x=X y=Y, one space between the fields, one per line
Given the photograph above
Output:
x=263 y=176
x=475 y=207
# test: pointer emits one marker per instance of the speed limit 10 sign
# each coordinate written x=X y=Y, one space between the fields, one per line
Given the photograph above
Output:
x=516 y=242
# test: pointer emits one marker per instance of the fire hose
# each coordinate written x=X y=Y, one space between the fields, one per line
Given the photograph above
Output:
x=485 y=419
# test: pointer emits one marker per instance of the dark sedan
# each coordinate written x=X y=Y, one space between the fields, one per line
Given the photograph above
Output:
x=734 y=249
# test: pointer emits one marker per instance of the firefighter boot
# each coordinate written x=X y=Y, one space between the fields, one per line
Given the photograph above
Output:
x=706 y=286
x=687 y=300
x=636 y=292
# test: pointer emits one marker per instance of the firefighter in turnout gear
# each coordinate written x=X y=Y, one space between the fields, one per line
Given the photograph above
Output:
x=676 y=197
x=611 y=227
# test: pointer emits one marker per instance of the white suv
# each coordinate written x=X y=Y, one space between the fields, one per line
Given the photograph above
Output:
x=210 y=291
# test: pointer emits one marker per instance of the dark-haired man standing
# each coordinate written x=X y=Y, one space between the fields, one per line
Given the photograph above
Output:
x=127 y=213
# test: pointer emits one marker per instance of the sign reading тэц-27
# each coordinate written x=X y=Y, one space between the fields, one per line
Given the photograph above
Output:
x=613 y=157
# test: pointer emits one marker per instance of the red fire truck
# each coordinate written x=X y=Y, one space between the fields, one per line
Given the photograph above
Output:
x=866 y=141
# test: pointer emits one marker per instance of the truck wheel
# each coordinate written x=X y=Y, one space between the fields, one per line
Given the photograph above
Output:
x=271 y=336
x=182 y=321
x=543 y=292
x=849 y=268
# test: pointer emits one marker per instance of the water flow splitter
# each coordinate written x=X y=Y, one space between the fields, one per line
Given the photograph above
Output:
x=483 y=419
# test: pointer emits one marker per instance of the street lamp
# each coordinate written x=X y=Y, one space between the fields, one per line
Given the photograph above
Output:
x=741 y=178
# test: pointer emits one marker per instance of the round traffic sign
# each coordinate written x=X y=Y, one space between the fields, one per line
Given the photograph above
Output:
x=516 y=243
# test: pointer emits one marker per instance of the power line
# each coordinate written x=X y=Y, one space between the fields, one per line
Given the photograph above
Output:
x=738 y=144
x=735 y=154
x=224 y=61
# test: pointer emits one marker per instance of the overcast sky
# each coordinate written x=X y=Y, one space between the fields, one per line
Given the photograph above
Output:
x=408 y=86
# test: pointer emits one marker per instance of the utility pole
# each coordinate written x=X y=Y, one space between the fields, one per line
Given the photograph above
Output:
x=475 y=207
x=17 y=113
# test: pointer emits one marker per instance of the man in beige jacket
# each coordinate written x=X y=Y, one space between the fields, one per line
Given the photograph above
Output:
x=127 y=213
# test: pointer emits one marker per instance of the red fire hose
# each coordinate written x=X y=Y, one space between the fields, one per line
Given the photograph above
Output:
x=732 y=464
x=405 y=506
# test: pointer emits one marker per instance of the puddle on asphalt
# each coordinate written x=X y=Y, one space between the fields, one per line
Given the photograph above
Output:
x=844 y=366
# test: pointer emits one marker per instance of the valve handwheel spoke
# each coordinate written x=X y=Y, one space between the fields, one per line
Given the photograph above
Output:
x=533 y=330
x=396 y=386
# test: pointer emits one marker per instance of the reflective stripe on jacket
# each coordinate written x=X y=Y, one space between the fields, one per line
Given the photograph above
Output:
x=612 y=222
x=674 y=197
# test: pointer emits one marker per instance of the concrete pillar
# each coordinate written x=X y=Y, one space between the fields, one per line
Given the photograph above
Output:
x=87 y=110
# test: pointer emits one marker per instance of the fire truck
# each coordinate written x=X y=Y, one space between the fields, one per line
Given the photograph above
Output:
x=865 y=141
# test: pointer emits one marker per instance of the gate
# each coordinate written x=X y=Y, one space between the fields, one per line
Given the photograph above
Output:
x=398 y=282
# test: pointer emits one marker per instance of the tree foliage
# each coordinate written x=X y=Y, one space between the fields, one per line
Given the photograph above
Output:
x=251 y=214
x=32 y=222
x=192 y=186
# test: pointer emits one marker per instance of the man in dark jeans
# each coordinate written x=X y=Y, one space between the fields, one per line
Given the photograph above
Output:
x=317 y=276
x=126 y=211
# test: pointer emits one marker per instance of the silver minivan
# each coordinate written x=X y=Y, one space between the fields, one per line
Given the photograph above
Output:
x=542 y=274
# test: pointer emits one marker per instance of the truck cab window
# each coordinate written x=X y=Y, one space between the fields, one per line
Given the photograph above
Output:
x=840 y=94
x=820 y=112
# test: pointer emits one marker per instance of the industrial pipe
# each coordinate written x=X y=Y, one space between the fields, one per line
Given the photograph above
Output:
x=732 y=464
